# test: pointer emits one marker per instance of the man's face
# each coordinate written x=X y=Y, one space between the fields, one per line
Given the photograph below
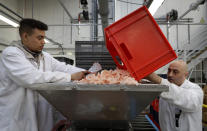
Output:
x=35 y=41
x=176 y=73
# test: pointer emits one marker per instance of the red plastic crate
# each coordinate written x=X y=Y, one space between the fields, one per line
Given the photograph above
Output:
x=139 y=42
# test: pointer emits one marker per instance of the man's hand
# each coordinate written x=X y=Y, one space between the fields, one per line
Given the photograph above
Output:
x=79 y=75
x=62 y=125
x=154 y=78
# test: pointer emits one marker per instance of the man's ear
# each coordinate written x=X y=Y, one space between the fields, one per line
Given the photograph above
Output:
x=24 y=36
x=186 y=74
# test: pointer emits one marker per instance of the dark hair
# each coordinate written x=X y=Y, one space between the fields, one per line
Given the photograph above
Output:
x=28 y=25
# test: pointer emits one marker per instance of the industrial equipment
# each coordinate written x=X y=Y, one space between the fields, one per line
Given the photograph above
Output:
x=99 y=106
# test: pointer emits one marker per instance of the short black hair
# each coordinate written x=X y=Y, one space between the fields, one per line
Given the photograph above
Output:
x=28 y=25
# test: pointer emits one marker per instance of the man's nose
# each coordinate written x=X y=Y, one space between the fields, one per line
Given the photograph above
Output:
x=43 y=42
x=170 y=73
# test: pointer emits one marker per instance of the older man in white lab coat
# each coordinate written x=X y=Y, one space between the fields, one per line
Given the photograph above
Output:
x=180 y=109
x=23 y=64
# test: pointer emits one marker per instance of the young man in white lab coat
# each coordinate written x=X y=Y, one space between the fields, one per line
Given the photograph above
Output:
x=180 y=109
x=22 y=64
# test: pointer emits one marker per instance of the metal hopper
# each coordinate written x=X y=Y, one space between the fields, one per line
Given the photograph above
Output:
x=99 y=102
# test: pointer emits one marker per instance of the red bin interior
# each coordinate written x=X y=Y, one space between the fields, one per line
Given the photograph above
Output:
x=139 y=42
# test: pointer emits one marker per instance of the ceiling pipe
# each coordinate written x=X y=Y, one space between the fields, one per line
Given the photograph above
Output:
x=55 y=43
x=5 y=7
x=67 y=12
x=193 y=6
x=4 y=44
x=8 y=16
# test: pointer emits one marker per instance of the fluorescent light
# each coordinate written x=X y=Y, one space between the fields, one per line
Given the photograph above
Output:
x=47 y=41
x=155 y=5
x=8 y=21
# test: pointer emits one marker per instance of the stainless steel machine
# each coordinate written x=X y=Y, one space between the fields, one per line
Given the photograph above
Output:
x=108 y=106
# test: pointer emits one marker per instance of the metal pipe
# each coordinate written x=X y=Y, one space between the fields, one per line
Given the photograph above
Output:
x=95 y=20
x=202 y=75
x=8 y=26
x=127 y=7
x=189 y=76
x=24 y=9
x=177 y=36
x=185 y=53
x=167 y=31
x=10 y=10
x=114 y=8
x=32 y=8
x=55 y=43
x=182 y=23
x=9 y=16
x=4 y=44
x=130 y=2
x=185 y=13
x=188 y=34
x=193 y=6
x=71 y=34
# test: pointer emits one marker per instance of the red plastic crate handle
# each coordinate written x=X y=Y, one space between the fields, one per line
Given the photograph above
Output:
x=117 y=63
x=126 y=51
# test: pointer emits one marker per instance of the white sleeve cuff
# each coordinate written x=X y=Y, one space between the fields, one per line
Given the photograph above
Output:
x=164 y=82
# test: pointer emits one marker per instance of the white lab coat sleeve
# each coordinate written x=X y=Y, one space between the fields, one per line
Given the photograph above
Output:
x=62 y=66
x=187 y=99
x=24 y=73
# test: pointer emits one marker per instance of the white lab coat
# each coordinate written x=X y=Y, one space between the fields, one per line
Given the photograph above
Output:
x=189 y=99
x=22 y=109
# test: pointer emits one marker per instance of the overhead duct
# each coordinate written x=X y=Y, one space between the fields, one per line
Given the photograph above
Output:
x=104 y=11
x=94 y=33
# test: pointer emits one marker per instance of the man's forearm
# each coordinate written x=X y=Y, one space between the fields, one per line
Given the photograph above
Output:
x=154 y=78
